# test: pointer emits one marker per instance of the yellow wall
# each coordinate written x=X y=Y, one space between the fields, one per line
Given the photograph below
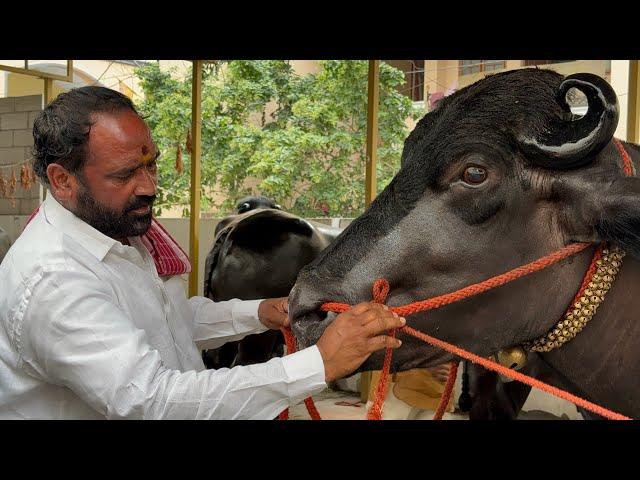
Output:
x=22 y=85
x=443 y=75
x=597 y=67
x=440 y=76
x=111 y=74
x=178 y=69
x=304 y=67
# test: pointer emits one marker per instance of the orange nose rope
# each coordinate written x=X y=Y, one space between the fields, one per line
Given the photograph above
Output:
x=311 y=407
x=381 y=290
x=475 y=289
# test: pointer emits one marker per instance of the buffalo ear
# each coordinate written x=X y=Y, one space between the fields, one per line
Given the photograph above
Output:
x=223 y=223
x=607 y=212
x=619 y=218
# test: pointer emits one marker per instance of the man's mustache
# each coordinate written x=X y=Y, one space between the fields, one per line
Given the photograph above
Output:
x=140 y=202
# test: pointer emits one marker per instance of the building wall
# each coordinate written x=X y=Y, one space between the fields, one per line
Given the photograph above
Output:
x=406 y=66
x=440 y=76
x=178 y=69
x=16 y=139
x=443 y=77
x=305 y=67
x=599 y=67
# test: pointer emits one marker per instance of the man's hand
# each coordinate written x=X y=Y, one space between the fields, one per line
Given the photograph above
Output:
x=440 y=372
x=274 y=313
x=354 y=335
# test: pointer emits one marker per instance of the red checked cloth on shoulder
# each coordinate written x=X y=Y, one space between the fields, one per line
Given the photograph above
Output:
x=169 y=258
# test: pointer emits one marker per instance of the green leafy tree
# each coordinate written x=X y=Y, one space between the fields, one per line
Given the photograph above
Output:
x=267 y=130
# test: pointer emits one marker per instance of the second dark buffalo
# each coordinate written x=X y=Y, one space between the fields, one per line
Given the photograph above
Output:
x=257 y=254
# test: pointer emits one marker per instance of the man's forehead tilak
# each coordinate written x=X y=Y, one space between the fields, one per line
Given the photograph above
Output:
x=147 y=155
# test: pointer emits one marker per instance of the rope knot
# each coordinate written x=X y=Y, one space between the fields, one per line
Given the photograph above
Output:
x=380 y=290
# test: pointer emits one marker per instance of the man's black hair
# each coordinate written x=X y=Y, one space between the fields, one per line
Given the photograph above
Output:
x=61 y=130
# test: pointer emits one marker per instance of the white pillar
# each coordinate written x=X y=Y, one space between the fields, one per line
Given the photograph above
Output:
x=620 y=83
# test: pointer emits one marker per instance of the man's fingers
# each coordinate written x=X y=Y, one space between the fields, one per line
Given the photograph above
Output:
x=440 y=372
x=382 y=341
x=285 y=304
x=363 y=307
x=383 y=322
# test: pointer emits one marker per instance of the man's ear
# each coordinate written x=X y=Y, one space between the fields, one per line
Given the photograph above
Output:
x=63 y=183
x=603 y=212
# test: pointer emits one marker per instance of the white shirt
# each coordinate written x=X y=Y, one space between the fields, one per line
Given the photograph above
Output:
x=89 y=330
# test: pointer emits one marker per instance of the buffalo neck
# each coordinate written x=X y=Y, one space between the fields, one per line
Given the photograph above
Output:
x=603 y=359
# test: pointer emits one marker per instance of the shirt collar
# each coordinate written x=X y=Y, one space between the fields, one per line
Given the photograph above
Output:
x=97 y=243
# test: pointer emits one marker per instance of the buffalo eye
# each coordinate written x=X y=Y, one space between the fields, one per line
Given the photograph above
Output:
x=474 y=175
x=244 y=207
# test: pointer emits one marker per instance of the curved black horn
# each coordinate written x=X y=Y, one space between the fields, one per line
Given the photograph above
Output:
x=569 y=144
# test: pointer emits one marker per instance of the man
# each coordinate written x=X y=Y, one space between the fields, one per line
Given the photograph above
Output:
x=88 y=329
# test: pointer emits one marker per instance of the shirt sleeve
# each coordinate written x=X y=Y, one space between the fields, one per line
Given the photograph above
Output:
x=216 y=323
x=74 y=334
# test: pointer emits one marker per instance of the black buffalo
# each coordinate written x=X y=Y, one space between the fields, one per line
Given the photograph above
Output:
x=499 y=174
x=252 y=202
x=258 y=253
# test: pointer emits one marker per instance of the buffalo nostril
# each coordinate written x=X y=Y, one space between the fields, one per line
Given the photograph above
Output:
x=309 y=315
x=309 y=326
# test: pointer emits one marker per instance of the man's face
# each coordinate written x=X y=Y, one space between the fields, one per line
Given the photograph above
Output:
x=117 y=186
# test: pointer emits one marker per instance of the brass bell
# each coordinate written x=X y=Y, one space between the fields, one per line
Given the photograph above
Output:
x=512 y=357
